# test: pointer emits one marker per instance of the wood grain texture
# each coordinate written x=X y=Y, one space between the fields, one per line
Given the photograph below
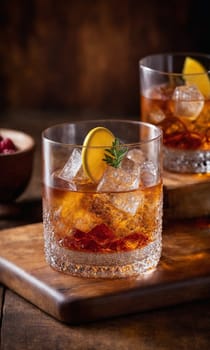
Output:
x=182 y=275
x=180 y=327
x=186 y=195
x=85 y=54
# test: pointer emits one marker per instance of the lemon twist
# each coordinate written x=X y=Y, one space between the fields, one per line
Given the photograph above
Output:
x=94 y=146
x=194 y=73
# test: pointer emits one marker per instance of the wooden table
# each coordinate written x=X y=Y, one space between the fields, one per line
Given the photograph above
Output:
x=24 y=326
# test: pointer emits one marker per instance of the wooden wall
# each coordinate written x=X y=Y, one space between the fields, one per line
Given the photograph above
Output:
x=84 y=54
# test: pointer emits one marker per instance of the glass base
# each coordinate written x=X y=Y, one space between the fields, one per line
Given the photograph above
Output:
x=103 y=265
x=186 y=161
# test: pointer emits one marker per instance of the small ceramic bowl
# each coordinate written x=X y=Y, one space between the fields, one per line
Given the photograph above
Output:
x=15 y=168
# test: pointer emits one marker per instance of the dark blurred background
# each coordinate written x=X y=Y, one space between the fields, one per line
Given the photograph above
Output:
x=83 y=54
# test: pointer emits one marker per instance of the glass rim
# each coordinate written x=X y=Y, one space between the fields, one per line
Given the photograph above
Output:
x=97 y=123
x=174 y=54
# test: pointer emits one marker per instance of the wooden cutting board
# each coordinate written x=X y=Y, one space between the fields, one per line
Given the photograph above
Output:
x=186 y=195
x=182 y=275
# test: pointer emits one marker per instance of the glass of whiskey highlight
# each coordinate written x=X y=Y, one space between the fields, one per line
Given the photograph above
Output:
x=102 y=198
x=175 y=95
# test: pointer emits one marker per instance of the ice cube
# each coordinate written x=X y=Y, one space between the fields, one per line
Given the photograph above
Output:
x=156 y=116
x=124 y=178
x=72 y=166
x=128 y=202
x=136 y=155
x=148 y=174
x=72 y=172
x=58 y=181
x=188 y=101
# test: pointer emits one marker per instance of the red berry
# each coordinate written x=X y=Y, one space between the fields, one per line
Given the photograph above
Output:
x=7 y=145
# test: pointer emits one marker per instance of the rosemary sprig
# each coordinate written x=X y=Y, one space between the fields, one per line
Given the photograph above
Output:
x=113 y=156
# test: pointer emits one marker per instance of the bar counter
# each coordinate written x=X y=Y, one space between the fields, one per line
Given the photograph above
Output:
x=182 y=326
